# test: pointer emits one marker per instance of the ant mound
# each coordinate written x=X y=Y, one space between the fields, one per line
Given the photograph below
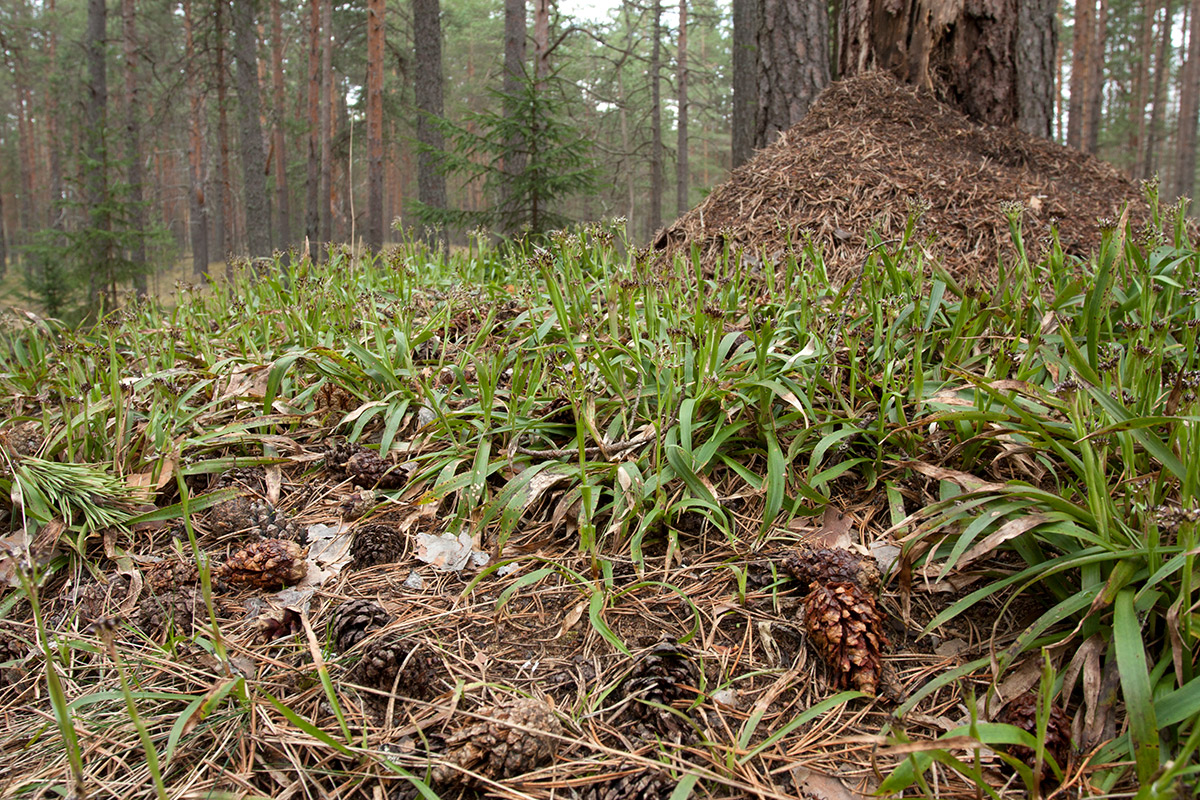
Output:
x=872 y=152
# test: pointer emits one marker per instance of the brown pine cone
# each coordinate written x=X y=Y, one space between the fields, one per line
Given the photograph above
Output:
x=639 y=784
x=813 y=565
x=512 y=738
x=375 y=544
x=364 y=467
x=171 y=573
x=1022 y=712
x=95 y=600
x=254 y=517
x=331 y=399
x=24 y=439
x=175 y=613
x=664 y=676
x=267 y=564
x=353 y=620
x=847 y=628
x=253 y=479
x=393 y=655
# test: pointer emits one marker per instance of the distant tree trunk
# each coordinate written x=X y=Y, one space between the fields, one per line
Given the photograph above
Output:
x=1094 y=100
x=282 y=197
x=745 y=79
x=254 y=157
x=427 y=86
x=1141 y=88
x=133 y=148
x=197 y=207
x=1189 y=106
x=26 y=221
x=54 y=211
x=226 y=234
x=681 y=146
x=95 y=121
x=966 y=53
x=3 y=240
x=375 y=29
x=514 y=74
x=326 y=123
x=541 y=39
x=792 y=63
x=654 y=215
x=312 y=206
x=1077 y=116
x=1162 y=66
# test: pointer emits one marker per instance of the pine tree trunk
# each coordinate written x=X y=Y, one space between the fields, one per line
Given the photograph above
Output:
x=541 y=40
x=226 y=232
x=793 y=63
x=1094 y=99
x=681 y=145
x=1162 y=65
x=197 y=207
x=312 y=205
x=54 y=212
x=26 y=218
x=3 y=240
x=745 y=78
x=514 y=73
x=654 y=215
x=990 y=59
x=96 y=172
x=1077 y=114
x=254 y=157
x=326 y=199
x=427 y=86
x=1135 y=144
x=1189 y=106
x=282 y=196
x=375 y=29
x=133 y=149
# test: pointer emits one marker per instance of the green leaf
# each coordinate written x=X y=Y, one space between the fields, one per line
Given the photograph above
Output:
x=1135 y=685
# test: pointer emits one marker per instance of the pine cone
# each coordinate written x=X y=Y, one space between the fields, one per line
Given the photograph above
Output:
x=95 y=600
x=375 y=544
x=364 y=467
x=353 y=620
x=252 y=479
x=24 y=439
x=267 y=564
x=1022 y=712
x=512 y=738
x=248 y=515
x=390 y=656
x=664 y=676
x=639 y=784
x=845 y=625
x=333 y=399
x=357 y=504
x=175 y=613
x=171 y=573
x=813 y=565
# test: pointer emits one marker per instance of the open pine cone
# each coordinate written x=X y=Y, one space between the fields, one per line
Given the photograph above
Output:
x=810 y=565
x=176 y=612
x=249 y=515
x=845 y=625
x=393 y=662
x=364 y=467
x=1022 y=712
x=640 y=784
x=266 y=564
x=353 y=620
x=375 y=544
x=664 y=676
x=511 y=739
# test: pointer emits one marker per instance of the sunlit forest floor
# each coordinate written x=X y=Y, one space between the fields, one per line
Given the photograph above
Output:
x=561 y=522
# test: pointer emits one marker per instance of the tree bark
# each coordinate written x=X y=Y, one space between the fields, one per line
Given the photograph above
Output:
x=427 y=90
x=1162 y=66
x=375 y=29
x=514 y=74
x=226 y=233
x=1094 y=100
x=1135 y=143
x=282 y=196
x=54 y=212
x=745 y=60
x=312 y=206
x=1189 y=106
x=1077 y=115
x=197 y=207
x=95 y=121
x=967 y=53
x=254 y=157
x=326 y=199
x=654 y=214
x=133 y=148
x=3 y=240
x=681 y=145
x=541 y=39
x=792 y=63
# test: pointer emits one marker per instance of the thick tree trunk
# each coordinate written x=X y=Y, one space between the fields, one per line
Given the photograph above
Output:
x=1077 y=114
x=654 y=213
x=282 y=196
x=1094 y=99
x=541 y=39
x=1135 y=143
x=1189 y=106
x=514 y=74
x=254 y=157
x=312 y=206
x=133 y=148
x=793 y=63
x=375 y=29
x=427 y=86
x=326 y=123
x=197 y=207
x=681 y=145
x=967 y=53
x=95 y=121
x=226 y=232
x=745 y=78
x=1162 y=65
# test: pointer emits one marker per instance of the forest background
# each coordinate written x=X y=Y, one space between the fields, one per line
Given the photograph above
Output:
x=139 y=134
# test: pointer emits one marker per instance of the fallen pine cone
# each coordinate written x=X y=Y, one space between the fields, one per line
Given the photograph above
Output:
x=267 y=564
x=353 y=621
x=1022 y=712
x=512 y=738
